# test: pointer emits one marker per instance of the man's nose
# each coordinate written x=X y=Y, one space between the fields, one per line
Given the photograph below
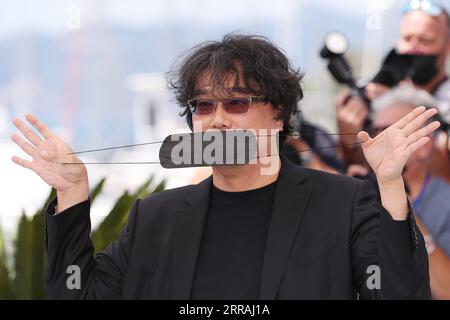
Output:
x=414 y=47
x=220 y=118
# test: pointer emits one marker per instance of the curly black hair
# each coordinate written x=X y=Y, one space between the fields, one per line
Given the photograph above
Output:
x=265 y=69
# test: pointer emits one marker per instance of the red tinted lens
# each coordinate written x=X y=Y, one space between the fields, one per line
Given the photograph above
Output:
x=203 y=106
x=236 y=105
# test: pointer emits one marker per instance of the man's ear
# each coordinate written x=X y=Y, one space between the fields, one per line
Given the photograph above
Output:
x=280 y=125
x=277 y=116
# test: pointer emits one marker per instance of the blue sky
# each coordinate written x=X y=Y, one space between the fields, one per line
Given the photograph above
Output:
x=49 y=16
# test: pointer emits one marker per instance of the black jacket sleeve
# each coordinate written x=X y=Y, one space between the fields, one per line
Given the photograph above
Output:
x=69 y=250
x=389 y=258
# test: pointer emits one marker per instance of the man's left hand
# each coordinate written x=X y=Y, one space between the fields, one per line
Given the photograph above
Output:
x=388 y=152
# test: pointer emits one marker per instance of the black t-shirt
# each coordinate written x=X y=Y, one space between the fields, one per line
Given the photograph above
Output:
x=231 y=254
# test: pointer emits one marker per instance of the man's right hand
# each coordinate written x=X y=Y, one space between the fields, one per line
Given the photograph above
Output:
x=52 y=161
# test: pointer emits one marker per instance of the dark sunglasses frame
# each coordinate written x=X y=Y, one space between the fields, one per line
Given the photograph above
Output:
x=241 y=104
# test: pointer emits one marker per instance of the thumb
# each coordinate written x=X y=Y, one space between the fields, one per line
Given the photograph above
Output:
x=363 y=136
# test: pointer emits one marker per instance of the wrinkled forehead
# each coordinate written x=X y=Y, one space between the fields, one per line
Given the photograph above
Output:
x=419 y=22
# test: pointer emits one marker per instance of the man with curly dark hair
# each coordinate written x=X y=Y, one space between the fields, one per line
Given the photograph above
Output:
x=291 y=233
x=249 y=62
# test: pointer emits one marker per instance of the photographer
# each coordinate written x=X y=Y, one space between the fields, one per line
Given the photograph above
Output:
x=425 y=31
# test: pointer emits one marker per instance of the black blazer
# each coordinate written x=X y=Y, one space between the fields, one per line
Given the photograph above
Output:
x=325 y=232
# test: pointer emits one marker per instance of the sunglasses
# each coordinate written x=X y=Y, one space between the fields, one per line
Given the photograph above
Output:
x=431 y=8
x=233 y=105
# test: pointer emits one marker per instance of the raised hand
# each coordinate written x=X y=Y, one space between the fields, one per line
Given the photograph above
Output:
x=388 y=152
x=50 y=159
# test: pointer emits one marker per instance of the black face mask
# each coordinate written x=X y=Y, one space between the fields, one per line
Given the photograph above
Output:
x=423 y=68
x=397 y=67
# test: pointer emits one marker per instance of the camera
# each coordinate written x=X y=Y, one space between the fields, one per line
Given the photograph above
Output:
x=334 y=48
x=396 y=67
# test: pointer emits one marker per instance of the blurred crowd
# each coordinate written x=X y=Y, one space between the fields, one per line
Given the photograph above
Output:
x=413 y=74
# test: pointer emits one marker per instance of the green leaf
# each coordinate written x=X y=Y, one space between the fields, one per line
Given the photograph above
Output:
x=2 y=247
x=5 y=289
x=29 y=257
x=110 y=227
x=50 y=197
x=29 y=245
x=22 y=283
x=39 y=258
x=97 y=190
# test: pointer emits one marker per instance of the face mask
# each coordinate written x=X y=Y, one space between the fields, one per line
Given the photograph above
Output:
x=397 y=67
x=423 y=68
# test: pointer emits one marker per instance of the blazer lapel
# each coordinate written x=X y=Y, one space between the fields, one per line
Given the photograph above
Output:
x=291 y=199
x=187 y=238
